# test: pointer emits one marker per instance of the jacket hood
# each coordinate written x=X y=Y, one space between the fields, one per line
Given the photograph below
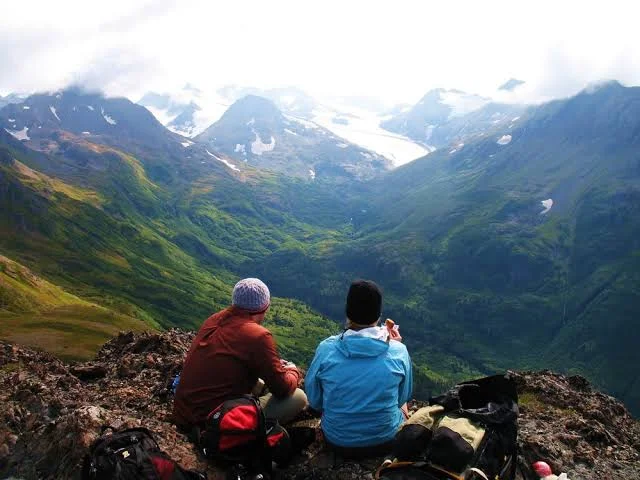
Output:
x=356 y=346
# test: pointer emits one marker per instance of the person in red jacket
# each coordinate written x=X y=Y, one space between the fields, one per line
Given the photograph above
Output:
x=229 y=356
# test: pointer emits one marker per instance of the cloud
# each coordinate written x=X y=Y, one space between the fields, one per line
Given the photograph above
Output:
x=396 y=50
x=115 y=70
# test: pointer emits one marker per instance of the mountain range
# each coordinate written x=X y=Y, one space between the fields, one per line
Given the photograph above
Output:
x=514 y=248
x=356 y=120
x=11 y=98
x=401 y=133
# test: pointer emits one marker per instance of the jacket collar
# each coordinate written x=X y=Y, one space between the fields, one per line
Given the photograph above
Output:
x=379 y=333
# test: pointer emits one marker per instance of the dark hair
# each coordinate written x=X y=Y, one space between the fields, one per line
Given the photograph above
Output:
x=364 y=302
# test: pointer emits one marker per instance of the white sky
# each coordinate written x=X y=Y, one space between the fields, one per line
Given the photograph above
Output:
x=395 y=50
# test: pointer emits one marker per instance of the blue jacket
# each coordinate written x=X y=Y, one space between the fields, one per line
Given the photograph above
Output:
x=359 y=383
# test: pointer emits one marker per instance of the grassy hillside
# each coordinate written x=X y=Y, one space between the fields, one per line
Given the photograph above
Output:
x=39 y=314
x=129 y=264
x=36 y=313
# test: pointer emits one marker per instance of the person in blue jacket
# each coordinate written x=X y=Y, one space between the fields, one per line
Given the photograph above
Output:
x=361 y=380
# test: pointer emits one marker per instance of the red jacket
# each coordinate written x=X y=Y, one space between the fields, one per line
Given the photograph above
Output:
x=226 y=358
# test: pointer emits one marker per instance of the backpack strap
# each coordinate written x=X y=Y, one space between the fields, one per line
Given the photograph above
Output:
x=144 y=431
x=101 y=441
x=514 y=462
x=389 y=464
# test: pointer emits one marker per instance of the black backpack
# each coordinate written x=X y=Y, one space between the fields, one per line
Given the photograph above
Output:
x=237 y=435
x=471 y=432
x=131 y=454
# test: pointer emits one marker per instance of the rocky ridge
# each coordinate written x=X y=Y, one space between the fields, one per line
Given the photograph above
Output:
x=50 y=412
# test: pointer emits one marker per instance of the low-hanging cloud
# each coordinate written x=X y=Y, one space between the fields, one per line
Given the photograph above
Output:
x=115 y=70
x=392 y=50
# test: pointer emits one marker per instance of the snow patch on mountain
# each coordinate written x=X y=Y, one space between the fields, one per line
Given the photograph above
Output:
x=200 y=121
x=312 y=174
x=226 y=162
x=25 y=107
x=504 y=140
x=19 y=134
x=186 y=144
x=90 y=108
x=342 y=145
x=258 y=147
x=188 y=111
x=547 y=204
x=363 y=129
x=55 y=114
x=12 y=120
x=240 y=149
x=301 y=121
x=429 y=132
x=107 y=118
x=457 y=148
x=290 y=132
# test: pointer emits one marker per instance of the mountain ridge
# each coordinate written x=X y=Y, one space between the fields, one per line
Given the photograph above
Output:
x=443 y=122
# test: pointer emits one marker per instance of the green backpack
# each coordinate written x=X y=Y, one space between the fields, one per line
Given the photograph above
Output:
x=471 y=432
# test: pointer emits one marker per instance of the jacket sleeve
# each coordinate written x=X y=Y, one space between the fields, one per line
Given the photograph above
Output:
x=406 y=385
x=281 y=381
x=312 y=385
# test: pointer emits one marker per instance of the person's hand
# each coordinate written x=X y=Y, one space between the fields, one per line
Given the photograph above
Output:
x=395 y=335
x=288 y=365
x=393 y=329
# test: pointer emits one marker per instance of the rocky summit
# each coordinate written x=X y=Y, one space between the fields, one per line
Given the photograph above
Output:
x=50 y=412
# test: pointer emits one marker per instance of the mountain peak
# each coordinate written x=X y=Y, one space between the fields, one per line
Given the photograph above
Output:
x=603 y=86
x=438 y=107
x=84 y=112
x=189 y=87
x=255 y=130
x=511 y=84
x=256 y=112
x=254 y=105
x=80 y=90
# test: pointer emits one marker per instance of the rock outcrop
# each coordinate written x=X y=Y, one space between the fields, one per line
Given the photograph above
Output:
x=50 y=412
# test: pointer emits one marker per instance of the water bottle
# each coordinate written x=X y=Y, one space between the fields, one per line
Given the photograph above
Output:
x=174 y=385
x=543 y=470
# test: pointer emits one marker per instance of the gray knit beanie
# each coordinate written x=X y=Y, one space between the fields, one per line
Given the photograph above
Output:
x=251 y=294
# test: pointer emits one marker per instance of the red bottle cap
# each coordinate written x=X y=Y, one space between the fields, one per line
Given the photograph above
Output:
x=542 y=469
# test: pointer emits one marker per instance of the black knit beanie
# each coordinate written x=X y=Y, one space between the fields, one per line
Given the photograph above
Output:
x=364 y=302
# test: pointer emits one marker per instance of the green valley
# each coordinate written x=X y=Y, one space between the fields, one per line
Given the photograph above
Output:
x=480 y=274
x=36 y=313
